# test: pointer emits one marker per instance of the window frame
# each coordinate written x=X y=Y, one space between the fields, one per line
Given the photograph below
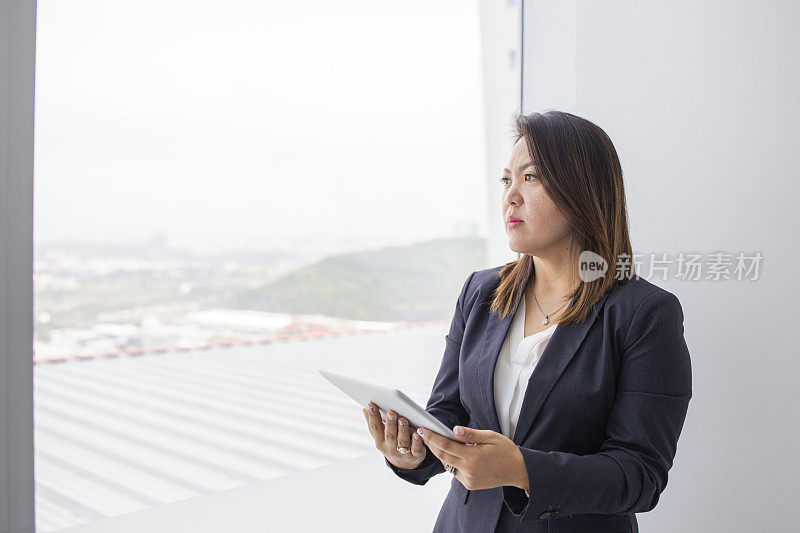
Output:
x=17 y=69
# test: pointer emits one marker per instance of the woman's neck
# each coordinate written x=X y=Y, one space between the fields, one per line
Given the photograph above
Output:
x=553 y=280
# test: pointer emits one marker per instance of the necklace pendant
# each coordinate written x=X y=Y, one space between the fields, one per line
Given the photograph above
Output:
x=546 y=320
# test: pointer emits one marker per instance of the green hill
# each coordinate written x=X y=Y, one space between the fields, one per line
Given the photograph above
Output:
x=411 y=283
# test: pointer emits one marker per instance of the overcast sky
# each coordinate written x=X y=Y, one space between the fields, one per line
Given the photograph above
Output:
x=255 y=123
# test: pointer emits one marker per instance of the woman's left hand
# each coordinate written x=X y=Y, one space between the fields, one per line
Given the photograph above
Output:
x=488 y=460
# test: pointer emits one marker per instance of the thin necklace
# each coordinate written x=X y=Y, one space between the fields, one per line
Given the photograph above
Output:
x=546 y=316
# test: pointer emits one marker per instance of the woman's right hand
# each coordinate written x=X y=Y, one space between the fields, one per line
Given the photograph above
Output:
x=393 y=433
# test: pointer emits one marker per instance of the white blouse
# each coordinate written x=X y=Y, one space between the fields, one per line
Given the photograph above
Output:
x=515 y=364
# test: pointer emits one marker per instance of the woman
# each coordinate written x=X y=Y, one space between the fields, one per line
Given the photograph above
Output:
x=571 y=383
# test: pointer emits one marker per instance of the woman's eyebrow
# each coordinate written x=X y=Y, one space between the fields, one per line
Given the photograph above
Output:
x=523 y=167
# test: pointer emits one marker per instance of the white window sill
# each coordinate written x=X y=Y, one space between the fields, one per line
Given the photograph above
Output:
x=353 y=495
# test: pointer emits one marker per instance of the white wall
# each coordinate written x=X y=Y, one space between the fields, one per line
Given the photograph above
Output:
x=17 y=39
x=701 y=102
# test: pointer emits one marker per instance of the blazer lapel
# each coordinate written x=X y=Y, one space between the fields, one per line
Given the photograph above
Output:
x=554 y=360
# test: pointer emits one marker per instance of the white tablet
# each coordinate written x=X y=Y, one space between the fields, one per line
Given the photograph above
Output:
x=387 y=398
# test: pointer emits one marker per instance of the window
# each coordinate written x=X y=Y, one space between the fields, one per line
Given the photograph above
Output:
x=227 y=200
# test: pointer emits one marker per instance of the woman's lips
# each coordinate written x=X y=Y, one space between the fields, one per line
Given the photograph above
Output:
x=514 y=223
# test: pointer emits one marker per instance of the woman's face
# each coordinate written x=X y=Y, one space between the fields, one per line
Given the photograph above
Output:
x=544 y=228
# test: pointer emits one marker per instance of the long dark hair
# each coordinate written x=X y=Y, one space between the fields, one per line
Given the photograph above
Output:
x=580 y=171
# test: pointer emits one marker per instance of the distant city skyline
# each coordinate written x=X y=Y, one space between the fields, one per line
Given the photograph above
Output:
x=321 y=247
x=258 y=126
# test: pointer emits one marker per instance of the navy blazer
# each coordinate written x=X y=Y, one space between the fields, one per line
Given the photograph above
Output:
x=600 y=419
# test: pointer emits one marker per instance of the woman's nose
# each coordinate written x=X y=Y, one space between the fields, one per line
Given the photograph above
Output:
x=512 y=193
x=512 y=198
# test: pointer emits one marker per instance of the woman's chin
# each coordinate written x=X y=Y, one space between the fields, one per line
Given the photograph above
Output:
x=515 y=247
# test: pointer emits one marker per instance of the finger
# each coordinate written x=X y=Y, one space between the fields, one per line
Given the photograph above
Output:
x=441 y=448
x=375 y=424
x=458 y=476
x=440 y=442
x=471 y=436
x=449 y=459
x=417 y=446
x=429 y=449
x=390 y=431
x=403 y=435
x=366 y=418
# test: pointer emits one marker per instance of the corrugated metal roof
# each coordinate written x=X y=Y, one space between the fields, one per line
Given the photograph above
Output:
x=117 y=435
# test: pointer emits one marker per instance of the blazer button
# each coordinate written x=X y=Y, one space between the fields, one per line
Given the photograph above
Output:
x=544 y=515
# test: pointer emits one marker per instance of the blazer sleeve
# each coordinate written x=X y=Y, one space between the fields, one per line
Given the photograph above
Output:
x=445 y=401
x=629 y=472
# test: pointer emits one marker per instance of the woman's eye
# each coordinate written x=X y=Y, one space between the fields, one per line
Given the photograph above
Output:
x=532 y=176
